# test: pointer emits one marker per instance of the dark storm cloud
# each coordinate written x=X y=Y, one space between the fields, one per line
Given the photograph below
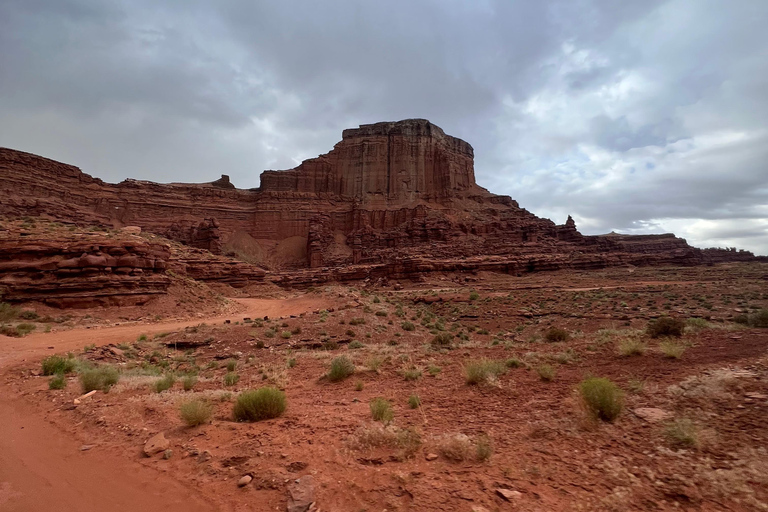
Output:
x=641 y=116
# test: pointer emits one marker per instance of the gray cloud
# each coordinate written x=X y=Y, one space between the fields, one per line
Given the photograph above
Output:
x=632 y=116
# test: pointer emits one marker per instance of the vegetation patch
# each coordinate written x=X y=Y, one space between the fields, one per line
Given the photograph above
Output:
x=483 y=371
x=259 y=404
x=341 y=368
x=665 y=326
x=381 y=410
x=602 y=399
x=196 y=412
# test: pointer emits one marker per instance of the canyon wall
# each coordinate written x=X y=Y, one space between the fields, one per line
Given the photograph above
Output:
x=386 y=193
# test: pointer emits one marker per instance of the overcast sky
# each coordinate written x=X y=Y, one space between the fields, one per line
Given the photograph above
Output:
x=639 y=116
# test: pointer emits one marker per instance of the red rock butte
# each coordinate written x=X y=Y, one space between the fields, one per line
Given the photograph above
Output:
x=392 y=199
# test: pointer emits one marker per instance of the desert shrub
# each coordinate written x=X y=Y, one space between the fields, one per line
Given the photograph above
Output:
x=473 y=295
x=414 y=401
x=682 y=432
x=359 y=385
x=482 y=331
x=231 y=365
x=259 y=404
x=442 y=339
x=195 y=412
x=350 y=333
x=514 y=362
x=602 y=399
x=408 y=326
x=291 y=362
x=355 y=344
x=741 y=319
x=631 y=347
x=188 y=382
x=25 y=328
x=455 y=448
x=330 y=345
x=8 y=312
x=759 y=318
x=377 y=436
x=165 y=383
x=672 y=349
x=57 y=382
x=433 y=370
x=100 y=378
x=28 y=314
x=57 y=364
x=341 y=368
x=546 y=372
x=381 y=313
x=483 y=447
x=357 y=321
x=381 y=410
x=665 y=326
x=556 y=334
x=483 y=371
x=269 y=333
x=296 y=330
x=697 y=323
x=285 y=335
x=412 y=374
x=231 y=378
x=374 y=363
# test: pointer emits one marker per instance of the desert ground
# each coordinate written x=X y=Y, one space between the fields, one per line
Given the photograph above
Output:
x=462 y=392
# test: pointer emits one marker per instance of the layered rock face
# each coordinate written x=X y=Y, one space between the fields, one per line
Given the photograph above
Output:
x=394 y=196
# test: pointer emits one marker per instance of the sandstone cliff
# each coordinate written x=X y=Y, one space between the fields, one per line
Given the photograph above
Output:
x=385 y=195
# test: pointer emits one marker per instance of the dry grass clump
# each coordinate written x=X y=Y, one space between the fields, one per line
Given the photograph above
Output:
x=341 y=368
x=188 y=382
x=408 y=326
x=602 y=399
x=556 y=334
x=414 y=401
x=381 y=410
x=672 y=349
x=380 y=436
x=442 y=339
x=374 y=363
x=196 y=412
x=259 y=404
x=57 y=382
x=483 y=371
x=682 y=432
x=665 y=326
x=8 y=312
x=100 y=378
x=546 y=372
x=165 y=383
x=460 y=447
x=631 y=347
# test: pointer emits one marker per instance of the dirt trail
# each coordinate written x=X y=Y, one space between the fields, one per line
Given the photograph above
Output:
x=41 y=468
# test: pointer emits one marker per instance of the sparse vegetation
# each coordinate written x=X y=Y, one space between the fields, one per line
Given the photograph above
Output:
x=57 y=364
x=101 y=378
x=259 y=404
x=483 y=371
x=188 y=382
x=408 y=326
x=473 y=295
x=631 y=347
x=442 y=339
x=165 y=383
x=672 y=349
x=58 y=381
x=414 y=401
x=546 y=372
x=231 y=378
x=556 y=334
x=381 y=410
x=341 y=368
x=354 y=344
x=665 y=326
x=602 y=399
x=196 y=412
x=682 y=432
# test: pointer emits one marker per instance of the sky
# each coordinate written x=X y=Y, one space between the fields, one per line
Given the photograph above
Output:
x=643 y=116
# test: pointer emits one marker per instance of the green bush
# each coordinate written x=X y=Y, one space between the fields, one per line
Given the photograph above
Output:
x=25 y=328
x=355 y=344
x=408 y=326
x=602 y=398
x=341 y=368
x=8 y=312
x=100 y=378
x=57 y=382
x=196 y=412
x=412 y=374
x=57 y=364
x=231 y=378
x=259 y=404
x=28 y=314
x=759 y=318
x=414 y=401
x=473 y=295
x=672 y=349
x=665 y=326
x=188 y=382
x=483 y=371
x=381 y=410
x=357 y=321
x=165 y=383
x=556 y=334
x=546 y=372
x=231 y=365
x=442 y=339
x=285 y=335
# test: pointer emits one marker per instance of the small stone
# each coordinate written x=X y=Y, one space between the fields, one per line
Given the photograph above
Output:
x=156 y=444
x=508 y=495
x=478 y=508
x=430 y=456
x=756 y=396
x=167 y=454
x=652 y=414
x=86 y=447
x=245 y=480
x=204 y=457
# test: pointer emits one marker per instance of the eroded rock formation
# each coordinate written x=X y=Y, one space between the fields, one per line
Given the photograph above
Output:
x=392 y=198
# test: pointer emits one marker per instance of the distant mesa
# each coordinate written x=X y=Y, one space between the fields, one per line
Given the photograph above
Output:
x=390 y=199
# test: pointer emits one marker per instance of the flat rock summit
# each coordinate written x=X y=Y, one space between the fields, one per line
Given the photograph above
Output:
x=393 y=199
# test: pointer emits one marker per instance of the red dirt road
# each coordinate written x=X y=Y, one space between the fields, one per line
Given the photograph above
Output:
x=41 y=468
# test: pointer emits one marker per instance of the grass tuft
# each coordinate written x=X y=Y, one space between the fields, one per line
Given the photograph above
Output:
x=259 y=404
x=381 y=410
x=100 y=378
x=196 y=412
x=672 y=349
x=483 y=371
x=602 y=398
x=341 y=368
x=631 y=347
x=57 y=364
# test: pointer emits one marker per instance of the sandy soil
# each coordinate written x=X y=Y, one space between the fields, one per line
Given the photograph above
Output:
x=541 y=449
